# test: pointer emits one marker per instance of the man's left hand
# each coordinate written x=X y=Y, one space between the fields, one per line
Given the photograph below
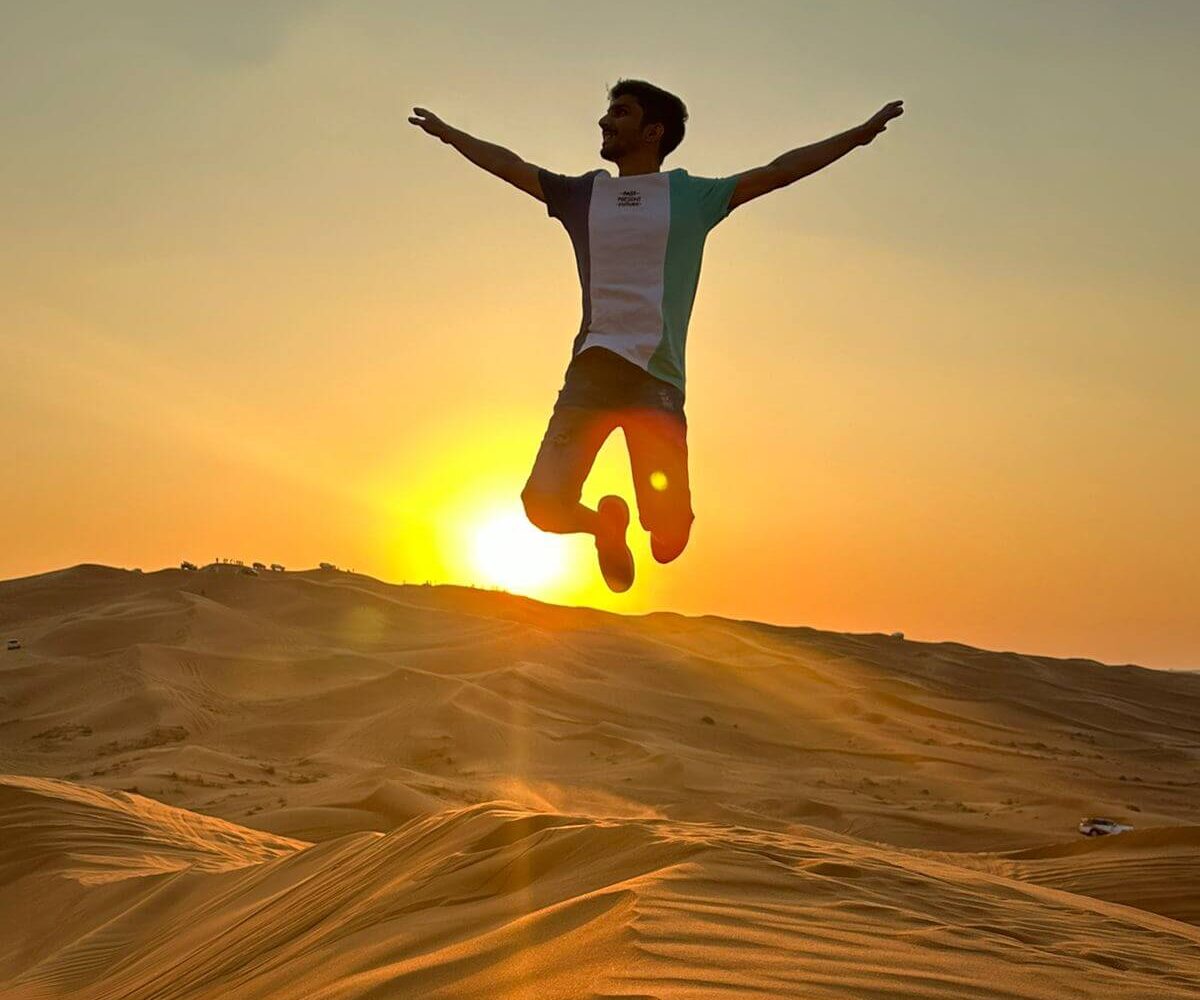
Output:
x=878 y=122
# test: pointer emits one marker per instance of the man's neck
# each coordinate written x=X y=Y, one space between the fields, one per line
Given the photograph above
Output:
x=631 y=166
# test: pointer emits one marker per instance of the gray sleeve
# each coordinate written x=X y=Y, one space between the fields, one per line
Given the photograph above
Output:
x=561 y=192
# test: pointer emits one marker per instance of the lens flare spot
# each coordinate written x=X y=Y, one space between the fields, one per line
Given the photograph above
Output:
x=658 y=480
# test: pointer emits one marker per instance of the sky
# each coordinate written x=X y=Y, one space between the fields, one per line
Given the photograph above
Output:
x=946 y=386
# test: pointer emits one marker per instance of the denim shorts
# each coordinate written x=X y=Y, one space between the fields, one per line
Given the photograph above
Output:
x=602 y=392
x=598 y=379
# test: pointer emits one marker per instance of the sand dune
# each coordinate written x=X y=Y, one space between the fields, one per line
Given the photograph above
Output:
x=497 y=900
x=95 y=836
x=1156 y=870
x=319 y=785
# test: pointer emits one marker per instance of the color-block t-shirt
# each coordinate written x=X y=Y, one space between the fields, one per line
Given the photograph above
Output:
x=638 y=244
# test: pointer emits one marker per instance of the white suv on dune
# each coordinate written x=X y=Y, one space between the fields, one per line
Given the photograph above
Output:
x=1096 y=826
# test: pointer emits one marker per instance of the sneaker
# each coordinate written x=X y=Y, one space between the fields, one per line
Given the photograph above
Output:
x=616 y=561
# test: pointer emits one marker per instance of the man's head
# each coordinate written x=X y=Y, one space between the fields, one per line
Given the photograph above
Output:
x=639 y=115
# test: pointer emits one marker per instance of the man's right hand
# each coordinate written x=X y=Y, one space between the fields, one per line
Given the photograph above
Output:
x=504 y=163
x=430 y=122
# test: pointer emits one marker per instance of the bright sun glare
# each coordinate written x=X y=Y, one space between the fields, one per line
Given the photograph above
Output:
x=515 y=555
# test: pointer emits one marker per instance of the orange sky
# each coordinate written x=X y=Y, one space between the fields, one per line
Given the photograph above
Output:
x=946 y=386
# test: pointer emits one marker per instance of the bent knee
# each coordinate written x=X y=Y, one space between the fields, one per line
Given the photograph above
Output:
x=546 y=511
x=668 y=542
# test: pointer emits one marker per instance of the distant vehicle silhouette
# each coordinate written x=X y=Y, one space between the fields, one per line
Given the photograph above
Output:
x=14 y=643
x=325 y=565
x=1096 y=826
x=897 y=635
x=259 y=565
x=248 y=571
x=276 y=568
x=185 y=565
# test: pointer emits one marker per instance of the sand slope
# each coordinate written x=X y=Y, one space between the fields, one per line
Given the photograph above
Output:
x=498 y=901
x=1156 y=870
x=319 y=785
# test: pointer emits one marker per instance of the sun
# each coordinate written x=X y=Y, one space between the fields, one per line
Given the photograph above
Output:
x=515 y=555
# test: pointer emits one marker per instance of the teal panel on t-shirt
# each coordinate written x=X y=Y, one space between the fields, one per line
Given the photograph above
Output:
x=697 y=205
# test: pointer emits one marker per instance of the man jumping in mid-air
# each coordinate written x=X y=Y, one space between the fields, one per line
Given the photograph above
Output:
x=638 y=242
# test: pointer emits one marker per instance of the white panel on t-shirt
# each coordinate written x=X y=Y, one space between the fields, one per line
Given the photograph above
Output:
x=628 y=225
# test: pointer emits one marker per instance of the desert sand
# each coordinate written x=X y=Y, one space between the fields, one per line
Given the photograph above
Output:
x=318 y=785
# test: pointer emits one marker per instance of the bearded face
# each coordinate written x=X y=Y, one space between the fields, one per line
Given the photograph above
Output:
x=621 y=129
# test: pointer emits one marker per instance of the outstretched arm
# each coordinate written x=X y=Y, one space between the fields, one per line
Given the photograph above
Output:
x=805 y=160
x=504 y=163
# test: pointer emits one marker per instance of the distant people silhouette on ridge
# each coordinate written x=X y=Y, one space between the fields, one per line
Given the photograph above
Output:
x=638 y=241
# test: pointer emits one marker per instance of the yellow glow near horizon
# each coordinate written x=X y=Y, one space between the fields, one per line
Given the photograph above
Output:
x=513 y=554
x=448 y=510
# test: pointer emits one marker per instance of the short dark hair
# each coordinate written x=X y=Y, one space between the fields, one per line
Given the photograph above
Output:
x=658 y=108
